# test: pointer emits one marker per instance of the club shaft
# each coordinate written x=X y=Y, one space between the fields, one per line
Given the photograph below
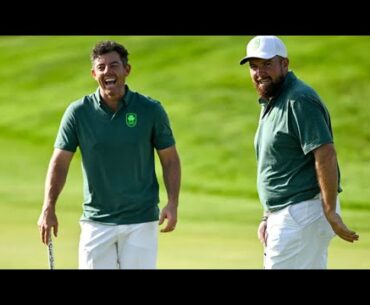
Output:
x=51 y=254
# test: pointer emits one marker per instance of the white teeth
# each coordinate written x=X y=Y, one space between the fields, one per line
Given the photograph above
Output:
x=110 y=81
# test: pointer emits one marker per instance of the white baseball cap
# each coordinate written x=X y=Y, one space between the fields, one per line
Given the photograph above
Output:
x=264 y=47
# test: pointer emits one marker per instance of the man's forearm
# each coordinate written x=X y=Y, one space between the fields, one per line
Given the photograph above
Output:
x=54 y=184
x=172 y=180
x=327 y=175
x=56 y=177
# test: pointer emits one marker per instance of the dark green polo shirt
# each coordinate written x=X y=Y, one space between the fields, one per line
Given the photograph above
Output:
x=295 y=123
x=120 y=184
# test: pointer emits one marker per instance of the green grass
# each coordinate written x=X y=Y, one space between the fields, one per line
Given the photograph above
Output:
x=214 y=113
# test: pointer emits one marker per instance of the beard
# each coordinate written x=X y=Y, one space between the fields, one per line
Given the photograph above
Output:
x=268 y=91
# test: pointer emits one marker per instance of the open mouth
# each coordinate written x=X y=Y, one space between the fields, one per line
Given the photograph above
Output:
x=110 y=81
x=265 y=81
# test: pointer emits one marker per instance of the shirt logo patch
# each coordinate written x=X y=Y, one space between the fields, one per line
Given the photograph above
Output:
x=131 y=119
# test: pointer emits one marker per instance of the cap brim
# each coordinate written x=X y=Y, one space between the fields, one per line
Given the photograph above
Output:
x=244 y=60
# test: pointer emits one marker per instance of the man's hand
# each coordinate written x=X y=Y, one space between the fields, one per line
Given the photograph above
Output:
x=47 y=221
x=262 y=232
x=169 y=212
x=340 y=228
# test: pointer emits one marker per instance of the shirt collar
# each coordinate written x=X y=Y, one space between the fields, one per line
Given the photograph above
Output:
x=125 y=100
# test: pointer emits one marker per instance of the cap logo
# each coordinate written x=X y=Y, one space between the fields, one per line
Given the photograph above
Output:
x=256 y=43
x=131 y=119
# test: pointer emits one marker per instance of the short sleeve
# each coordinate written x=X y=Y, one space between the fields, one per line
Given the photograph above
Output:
x=311 y=122
x=67 y=134
x=162 y=133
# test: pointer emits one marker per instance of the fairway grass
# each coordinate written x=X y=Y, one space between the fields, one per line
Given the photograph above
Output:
x=223 y=237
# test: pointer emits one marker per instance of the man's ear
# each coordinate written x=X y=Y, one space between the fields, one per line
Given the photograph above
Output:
x=286 y=63
x=127 y=69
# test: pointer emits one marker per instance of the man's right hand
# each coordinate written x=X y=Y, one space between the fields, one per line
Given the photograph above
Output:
x=262 y=232
x=47 y=220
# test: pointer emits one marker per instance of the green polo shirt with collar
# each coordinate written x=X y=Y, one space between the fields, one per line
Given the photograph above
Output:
x=291 y=126
x=117 y=149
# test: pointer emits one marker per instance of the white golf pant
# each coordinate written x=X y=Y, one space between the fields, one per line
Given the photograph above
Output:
x=298 y=237
x=131 y=246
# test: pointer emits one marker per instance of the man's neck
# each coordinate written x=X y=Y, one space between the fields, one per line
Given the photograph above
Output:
x=111 y=101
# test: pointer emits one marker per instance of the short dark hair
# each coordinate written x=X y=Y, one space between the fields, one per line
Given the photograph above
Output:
x=106 y=46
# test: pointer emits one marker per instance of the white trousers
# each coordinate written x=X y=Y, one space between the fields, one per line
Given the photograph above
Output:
x=118 y=246
x=298 y=237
